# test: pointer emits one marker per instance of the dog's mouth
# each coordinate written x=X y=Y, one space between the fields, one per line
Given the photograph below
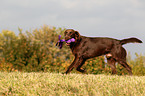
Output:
x=70 y=41
x=68 y=44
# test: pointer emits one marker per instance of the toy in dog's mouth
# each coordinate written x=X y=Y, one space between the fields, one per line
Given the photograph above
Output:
x=68 y=42
x=60 y=42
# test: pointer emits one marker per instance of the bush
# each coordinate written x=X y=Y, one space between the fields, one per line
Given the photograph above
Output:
x=138 y=65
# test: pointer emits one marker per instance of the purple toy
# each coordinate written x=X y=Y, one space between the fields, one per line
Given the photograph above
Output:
x=60 y=42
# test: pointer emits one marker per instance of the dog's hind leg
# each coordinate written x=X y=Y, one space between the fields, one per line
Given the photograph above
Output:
x=120 y=56
x=111 y=62
x=125 y=65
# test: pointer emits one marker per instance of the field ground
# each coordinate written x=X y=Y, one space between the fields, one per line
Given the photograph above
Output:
x=54 y=84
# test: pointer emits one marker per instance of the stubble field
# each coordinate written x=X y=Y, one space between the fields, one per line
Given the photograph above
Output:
x=56 y=84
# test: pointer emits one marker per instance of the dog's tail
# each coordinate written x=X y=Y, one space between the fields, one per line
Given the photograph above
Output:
x=130 y=40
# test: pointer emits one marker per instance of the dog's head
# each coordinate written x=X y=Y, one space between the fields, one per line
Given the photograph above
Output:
x=70 y=33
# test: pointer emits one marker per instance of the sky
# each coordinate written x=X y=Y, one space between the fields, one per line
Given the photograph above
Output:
x=98 y=18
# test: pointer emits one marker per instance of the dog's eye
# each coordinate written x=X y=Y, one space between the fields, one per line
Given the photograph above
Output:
x=70 y=32
x=65 y=33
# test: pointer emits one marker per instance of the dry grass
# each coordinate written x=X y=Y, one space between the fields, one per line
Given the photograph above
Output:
x=53 y=84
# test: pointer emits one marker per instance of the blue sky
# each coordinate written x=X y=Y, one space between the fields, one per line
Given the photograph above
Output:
x=101 y=18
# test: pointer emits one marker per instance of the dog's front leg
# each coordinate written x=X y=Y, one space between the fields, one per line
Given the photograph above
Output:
x=77 y=61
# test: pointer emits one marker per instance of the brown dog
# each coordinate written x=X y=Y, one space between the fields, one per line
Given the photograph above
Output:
x=88 y=47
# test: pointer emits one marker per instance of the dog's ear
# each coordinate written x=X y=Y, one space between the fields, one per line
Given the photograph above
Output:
x=77 y=35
